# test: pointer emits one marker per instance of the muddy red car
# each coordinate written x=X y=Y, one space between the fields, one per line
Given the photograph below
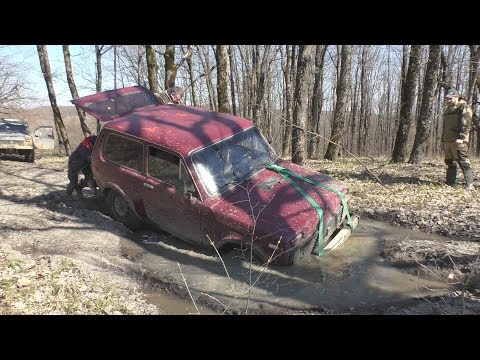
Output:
x=205 y=177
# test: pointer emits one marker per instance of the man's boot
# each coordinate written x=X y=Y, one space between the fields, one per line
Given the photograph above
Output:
x=93 y=186
x=83 y=183
x=451 y=176
x=70 y=188
x=79 y=191
x=469 y=179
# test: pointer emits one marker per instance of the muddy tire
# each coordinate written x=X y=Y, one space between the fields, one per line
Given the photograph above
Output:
x=121 y=211
x=30 y=156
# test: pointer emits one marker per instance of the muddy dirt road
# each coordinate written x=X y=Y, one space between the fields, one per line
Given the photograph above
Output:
x=381 y=269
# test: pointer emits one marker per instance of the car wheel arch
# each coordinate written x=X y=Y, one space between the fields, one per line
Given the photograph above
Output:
x=133 y=220
x=236 y=241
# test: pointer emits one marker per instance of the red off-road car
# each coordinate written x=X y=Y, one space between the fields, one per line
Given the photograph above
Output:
x=206 y=176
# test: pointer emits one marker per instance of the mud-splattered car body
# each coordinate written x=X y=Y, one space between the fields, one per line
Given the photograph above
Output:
x=205 y=177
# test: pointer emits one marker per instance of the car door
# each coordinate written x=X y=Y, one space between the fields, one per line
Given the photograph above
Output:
x=121 y=166
x=169 y=195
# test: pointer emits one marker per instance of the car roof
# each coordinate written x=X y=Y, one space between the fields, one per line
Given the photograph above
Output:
x=13 y=121
x=180 y=128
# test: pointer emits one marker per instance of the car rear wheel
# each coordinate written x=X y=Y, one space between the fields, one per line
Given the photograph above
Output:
x=121 y=210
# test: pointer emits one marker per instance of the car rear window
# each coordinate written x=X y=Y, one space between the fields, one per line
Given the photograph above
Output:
x=121 y=105
x=124 y=151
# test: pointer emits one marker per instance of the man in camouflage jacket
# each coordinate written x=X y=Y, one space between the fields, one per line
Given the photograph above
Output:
x=457 y=122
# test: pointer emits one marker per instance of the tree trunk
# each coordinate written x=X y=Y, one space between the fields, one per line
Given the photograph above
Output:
x=115 y=55
x=446 y=81
x=341 y=104
x=287 y=74
x=260 y=73
x=246 y=83
x=98 y=55
x=232 y=79
x=208 y=79
x=73 y=89
x=98 y=82
x=424 y=119
x=407 y=105
x=354 y=108
x=317 y=101
x=300 y=104
x=192 y=81
x=362 y=122
x=152 y=68
x=221 y=55
x=170 y=68
x=57 y=117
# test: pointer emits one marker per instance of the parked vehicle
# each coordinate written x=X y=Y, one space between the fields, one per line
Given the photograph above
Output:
x=205 y=177
x=44 y=139
x=15 y=139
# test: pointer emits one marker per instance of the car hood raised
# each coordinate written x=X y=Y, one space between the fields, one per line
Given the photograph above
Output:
x=271 y=205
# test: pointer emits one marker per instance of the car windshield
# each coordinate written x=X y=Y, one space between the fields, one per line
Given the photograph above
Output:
x=9 y=127
x=233 y=160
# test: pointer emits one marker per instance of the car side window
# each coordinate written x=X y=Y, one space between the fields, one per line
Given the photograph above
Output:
x=124 y=151
x=169 y=168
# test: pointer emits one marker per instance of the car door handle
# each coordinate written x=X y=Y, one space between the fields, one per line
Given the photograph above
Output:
x=148 y=186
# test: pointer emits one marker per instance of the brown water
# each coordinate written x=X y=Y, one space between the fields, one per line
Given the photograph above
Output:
x=172 y=305
x=351 y=276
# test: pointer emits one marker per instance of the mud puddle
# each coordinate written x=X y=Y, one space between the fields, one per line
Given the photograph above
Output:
x=355 y=275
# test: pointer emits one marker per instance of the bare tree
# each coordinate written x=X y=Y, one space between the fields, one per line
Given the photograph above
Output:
x=231 y=63
x=205 y=62
x=152 y=68
x=57 y=117
x=171 y=67
x=446 y=81
x=73 y=89
x=300 y=105
x=11 y=86
x=100 y=50
x=261 y=69
x=341 y=105
x=192 y=80
x=221 y=55
x=362 y=126
x=407 y=105
x=287 y=74
x=428 y=97
x=317 y=101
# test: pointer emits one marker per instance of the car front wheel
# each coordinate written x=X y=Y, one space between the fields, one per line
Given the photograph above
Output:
x=30 y=156
x=121 y=210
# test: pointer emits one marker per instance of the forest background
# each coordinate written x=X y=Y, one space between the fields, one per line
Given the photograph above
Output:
x=310 y=101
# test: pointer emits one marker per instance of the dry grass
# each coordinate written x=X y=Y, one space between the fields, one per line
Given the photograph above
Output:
x=57 y=285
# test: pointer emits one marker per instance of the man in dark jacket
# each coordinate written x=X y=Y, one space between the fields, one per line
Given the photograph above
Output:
x=79 y=161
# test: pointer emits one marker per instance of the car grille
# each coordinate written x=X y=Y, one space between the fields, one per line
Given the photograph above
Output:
x=328 y=229
x=11 y=142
